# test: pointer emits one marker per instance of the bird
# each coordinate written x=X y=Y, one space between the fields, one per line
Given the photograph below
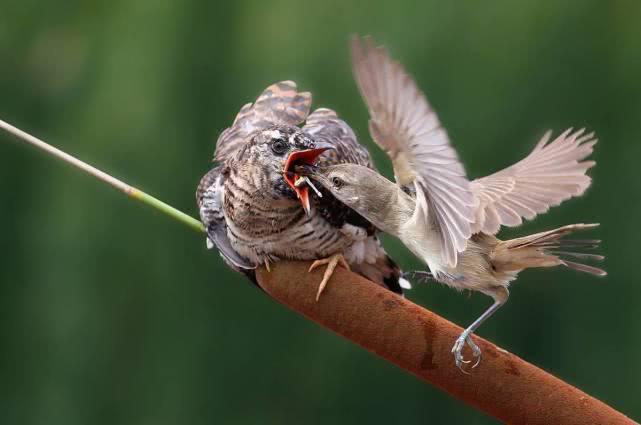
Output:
x=444 y=218
x=257 y=211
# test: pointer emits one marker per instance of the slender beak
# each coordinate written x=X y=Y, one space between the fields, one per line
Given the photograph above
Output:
x=316 y=173
x=305 y=169
x=304 y=157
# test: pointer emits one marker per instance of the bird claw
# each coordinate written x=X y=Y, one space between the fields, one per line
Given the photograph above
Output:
x=418 y=275
x=331 y=261
x=457 y=350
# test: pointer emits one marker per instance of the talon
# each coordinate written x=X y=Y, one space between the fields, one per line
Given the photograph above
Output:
x=267 y=265
x=476 y=351
x=332 y=262
x=457 y=350
x=419 y=275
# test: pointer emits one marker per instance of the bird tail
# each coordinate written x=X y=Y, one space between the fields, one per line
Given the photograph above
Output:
x=380 y=268
x=549 y=249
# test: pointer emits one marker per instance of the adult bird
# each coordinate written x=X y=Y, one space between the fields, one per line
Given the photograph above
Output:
x=255 y=209
x=442 y=217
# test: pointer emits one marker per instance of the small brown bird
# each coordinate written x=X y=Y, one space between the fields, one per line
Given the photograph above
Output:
x=441 y=216
x=255 y=209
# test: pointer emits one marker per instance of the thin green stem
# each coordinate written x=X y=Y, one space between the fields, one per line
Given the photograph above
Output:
x=101 y=175
x=167 y=209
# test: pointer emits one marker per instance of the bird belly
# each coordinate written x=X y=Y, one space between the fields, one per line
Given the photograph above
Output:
x=473 y=269
x=301 y=238
x=425 y=244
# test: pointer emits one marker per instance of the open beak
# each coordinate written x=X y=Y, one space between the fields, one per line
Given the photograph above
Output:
x=314 y=172
x=305 y=169
x=304 y=157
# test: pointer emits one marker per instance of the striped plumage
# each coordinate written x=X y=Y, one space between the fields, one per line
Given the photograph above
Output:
x=254 y=217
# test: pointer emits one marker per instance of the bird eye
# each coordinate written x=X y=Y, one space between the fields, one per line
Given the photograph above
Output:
x=337 y=182
x=279 y=146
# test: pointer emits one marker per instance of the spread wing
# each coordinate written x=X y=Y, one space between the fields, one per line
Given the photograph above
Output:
x=324 y=125
x=404 y=125
x=210 y=203
x=280 y=103
x=550 y=174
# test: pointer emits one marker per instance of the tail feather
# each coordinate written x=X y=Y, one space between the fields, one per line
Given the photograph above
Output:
x=375 y=265
x=549 y=236
x=548 y=249
x=573 y=242
x=384 y=272
x=584 y=268
x=579 y=255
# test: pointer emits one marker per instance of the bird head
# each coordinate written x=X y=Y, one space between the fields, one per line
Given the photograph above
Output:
x=279 y=149
x=370 y=194
x=356 y=186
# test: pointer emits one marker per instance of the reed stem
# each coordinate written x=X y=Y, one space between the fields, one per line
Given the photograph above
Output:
x=128 y=190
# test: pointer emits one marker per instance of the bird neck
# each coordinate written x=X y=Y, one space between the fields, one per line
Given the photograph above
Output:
x=392 y=209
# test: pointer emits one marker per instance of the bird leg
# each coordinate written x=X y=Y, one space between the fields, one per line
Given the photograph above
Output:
x=420 y=275
x=332 y=261
x=466 y=337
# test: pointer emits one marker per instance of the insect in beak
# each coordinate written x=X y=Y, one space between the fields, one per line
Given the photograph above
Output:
x=299 y=183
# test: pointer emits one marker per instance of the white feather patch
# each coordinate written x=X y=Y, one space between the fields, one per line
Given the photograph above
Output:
x=405 y=284
x=364 y=251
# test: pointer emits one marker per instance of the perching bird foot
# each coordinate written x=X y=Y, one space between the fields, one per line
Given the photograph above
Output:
x=331 y=261
x=457 y=350
x=418 y=275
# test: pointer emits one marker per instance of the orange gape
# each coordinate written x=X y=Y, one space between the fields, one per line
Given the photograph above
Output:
x=306 y=157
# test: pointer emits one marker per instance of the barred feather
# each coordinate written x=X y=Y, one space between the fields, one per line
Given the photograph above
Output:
x=245 y=203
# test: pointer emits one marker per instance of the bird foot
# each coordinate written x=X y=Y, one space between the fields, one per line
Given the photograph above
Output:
x=418 y=275
x=332 y=261
x=457 y=350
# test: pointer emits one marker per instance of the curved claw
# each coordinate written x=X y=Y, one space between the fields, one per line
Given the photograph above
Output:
x=457 y=350
x=476 y=351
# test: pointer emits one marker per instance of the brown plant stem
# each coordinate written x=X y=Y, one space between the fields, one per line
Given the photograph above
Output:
x=419 y=341
x=413 y=338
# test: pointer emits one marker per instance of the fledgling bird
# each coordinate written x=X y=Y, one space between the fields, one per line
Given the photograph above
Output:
x=443 y=218
x=255 y=209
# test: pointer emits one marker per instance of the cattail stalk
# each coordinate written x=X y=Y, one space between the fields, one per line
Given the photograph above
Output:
x=409 y=336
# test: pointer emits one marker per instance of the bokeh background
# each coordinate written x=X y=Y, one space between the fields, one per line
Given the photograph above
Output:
x=112 y=314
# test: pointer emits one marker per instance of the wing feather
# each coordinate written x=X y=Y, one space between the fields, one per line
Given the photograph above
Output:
x=552 y=173
x=209 y=197
x=404 y=125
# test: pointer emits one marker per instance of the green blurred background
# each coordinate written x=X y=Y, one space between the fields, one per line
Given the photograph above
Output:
x=112 y=314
